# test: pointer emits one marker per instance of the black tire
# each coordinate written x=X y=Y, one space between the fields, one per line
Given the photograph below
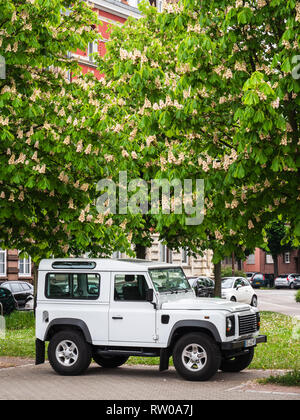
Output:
x=232 y=299
x=236 y=364
x=83 y=353
x=254 y=301
x=110 y=361
x=212 y=358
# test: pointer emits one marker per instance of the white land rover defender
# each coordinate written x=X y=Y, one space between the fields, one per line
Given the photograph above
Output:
x=108 y=310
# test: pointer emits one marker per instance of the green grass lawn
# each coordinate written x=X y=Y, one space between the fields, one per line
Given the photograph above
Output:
x=281 y=352
x=291 y=378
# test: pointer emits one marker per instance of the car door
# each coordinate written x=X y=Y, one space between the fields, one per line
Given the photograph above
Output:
x=248 y=291
x=19 y=293
x=131 y=317
x=241 y=293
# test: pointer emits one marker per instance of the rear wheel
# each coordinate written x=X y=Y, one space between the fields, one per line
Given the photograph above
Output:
x=238 y=363
x=109 y=361
x=69 y=354
x=196 y=357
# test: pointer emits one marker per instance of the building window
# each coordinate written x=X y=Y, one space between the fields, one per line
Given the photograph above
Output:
x=287 y=257
x=184 y=256
x=269 y=259
x=2 y=263
x=25 y=267
x=92 y=48
x=165 y=254
x=251 y=259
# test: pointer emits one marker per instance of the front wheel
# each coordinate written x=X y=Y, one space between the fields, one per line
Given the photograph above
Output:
x=254 y=301
x=196 y=357
x=238 y=363
x=109 y=361
x=69 y=354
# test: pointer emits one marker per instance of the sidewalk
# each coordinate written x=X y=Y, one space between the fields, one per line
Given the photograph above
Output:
x=31 y=382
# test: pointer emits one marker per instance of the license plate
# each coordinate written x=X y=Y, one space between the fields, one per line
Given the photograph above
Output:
x=250 y=343
x=257 y=282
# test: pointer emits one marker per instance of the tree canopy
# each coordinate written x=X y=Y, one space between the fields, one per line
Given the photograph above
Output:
x=50 y=159
x=206 y=89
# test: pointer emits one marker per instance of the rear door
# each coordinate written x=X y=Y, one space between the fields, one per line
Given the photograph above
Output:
x=131 y=317
x=19 y=293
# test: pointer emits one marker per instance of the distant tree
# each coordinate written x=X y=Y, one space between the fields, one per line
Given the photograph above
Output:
x=276 y=233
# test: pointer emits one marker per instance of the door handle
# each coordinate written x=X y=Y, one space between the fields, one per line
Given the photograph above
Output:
x=117 y=317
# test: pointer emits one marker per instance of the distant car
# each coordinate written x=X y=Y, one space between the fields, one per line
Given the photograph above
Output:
x=262 y=280
x=7 y=300
x=203 y=286
x=249 y=275
x=21 y=290
x=238 y=289
x=288 y=280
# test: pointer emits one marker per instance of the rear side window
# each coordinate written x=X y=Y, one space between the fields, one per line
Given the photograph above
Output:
x=72 y=286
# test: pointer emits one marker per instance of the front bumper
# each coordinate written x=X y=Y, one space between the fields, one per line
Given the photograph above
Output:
x=241 y=344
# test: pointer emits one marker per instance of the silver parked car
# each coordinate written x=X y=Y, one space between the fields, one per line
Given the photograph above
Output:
x=287 y=280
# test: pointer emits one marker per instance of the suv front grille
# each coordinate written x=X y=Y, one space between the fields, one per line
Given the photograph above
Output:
x=248 y=324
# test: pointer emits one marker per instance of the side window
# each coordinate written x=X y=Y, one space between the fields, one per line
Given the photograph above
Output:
x=130 y=287
x=16 y=287
x=86 y=286
x=73 y=286
x=58 y=286
x=238 y=282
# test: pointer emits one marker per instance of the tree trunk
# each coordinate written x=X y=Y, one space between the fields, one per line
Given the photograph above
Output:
x=275 y=259
x=35 y=278
x=232 y=264
x=140 y=251
x=218 y=279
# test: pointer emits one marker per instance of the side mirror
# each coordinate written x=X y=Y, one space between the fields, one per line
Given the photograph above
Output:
x=149 y=295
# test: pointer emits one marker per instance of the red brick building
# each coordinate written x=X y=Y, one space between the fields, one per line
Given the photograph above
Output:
x=260 y=261
x=110 y=12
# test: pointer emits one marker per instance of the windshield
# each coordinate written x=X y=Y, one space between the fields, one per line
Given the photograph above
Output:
x=169 y=279
x=227 y=283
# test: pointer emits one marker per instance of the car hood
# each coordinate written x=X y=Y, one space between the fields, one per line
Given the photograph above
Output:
x=204 y=304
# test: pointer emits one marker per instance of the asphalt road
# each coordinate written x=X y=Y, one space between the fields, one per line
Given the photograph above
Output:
x=281 y=300
x=134 y=383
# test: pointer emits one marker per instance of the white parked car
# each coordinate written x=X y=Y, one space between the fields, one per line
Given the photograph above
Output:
x=238 y=289
x=109 y=310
